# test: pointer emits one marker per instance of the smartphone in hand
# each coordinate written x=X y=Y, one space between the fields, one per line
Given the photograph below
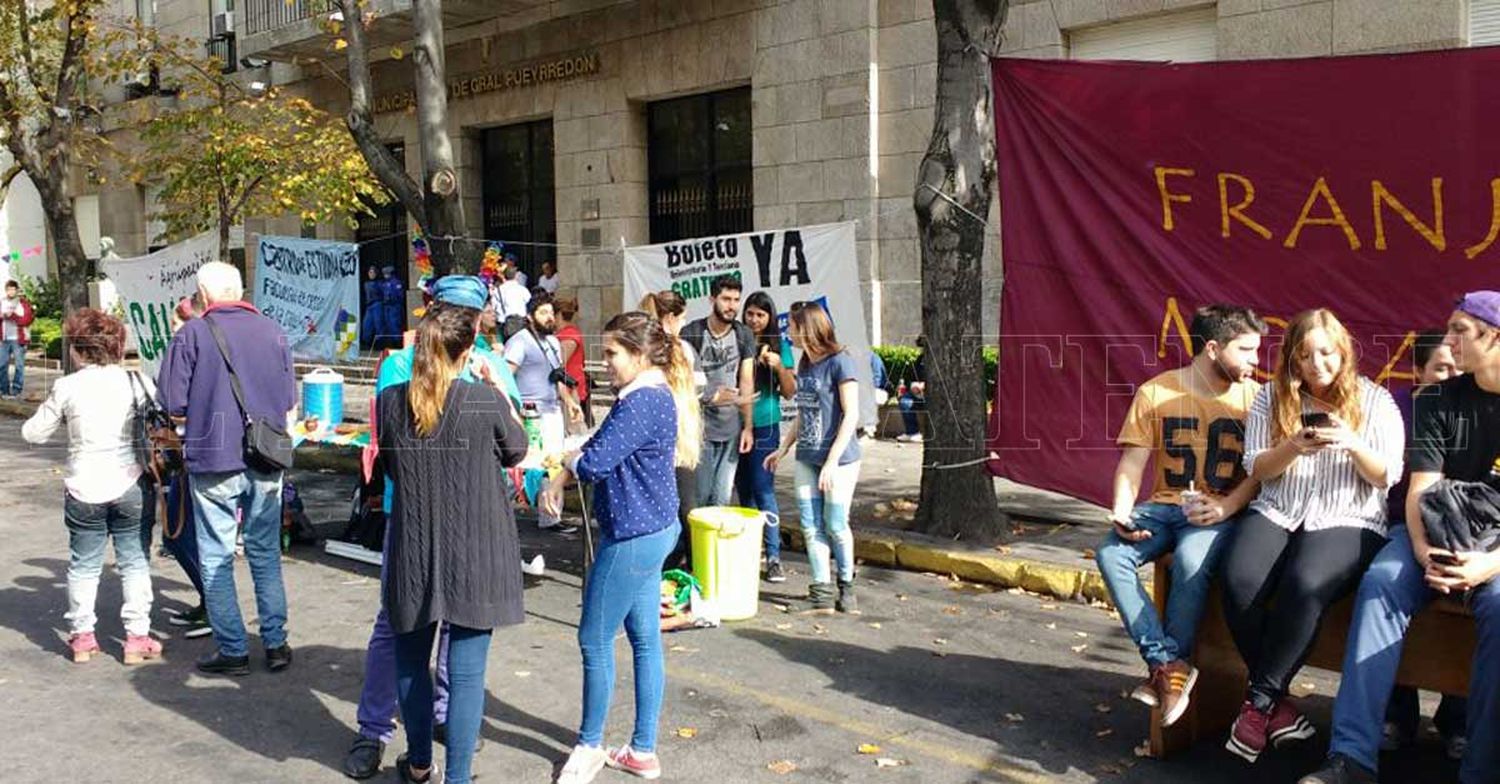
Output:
x=1317 y=419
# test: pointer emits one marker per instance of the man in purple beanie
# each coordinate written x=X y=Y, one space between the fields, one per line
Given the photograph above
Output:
x=1456 y=436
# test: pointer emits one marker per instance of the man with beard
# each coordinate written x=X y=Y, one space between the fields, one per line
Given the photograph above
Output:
x=1192 y=422
x=726 y=357
x=535 y=356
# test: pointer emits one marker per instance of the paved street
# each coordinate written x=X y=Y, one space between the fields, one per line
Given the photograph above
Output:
x=962 y=683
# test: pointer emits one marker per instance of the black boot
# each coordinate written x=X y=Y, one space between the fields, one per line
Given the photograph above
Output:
x=846 y=602
x=219 y=664
x=363 y=760
x=819 y=599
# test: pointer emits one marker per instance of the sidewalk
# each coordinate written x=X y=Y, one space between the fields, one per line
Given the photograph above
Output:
x=1048 y=549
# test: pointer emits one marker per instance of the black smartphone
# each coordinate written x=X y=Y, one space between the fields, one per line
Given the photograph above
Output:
x=1317 y=419
x=1443 y=558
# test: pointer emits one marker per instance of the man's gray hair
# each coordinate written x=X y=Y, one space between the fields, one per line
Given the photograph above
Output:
x=220 y=282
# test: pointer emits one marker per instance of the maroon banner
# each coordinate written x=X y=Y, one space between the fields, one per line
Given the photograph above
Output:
x=1132 y=193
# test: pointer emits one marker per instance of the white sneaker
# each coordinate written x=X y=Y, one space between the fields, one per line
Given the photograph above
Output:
x=582 y=766
x=914 y=438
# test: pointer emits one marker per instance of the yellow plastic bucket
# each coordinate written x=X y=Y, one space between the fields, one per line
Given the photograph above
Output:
x=726 y=558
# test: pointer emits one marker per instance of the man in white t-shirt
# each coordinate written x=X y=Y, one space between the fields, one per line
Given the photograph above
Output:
x=535 y=357
x=548 y=281
x=512 y=305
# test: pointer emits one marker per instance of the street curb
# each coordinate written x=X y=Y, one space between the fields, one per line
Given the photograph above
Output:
x=893 y=549
x=918 y=553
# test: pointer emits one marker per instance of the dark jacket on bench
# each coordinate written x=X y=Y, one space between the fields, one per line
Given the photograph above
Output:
x=1462 y=516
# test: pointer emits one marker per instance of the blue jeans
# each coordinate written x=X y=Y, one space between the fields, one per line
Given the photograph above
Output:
x=216 y=497
x=910 y=404
x=1392 y=591
x=825 y=519
x=1197 y=555
x=378 y=699
x=11 y=349
x=185 y=547
x=468 y=653
x=716 y=467
x=127 y=522
x=624 y=587
x=757 y=486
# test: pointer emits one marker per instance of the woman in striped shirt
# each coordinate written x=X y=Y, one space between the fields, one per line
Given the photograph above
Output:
x=1326 y=445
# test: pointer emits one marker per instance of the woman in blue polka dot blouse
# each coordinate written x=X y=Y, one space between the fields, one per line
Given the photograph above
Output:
x=630 y=462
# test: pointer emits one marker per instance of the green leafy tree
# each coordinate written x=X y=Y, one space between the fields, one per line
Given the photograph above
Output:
x=228 y=151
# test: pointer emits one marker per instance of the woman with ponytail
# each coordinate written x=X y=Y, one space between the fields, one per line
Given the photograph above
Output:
x=452 y=552
x=669 y=308
x=653 y=427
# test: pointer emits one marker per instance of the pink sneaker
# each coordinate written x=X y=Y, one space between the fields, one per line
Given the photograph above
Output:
x=83 y=646
x=638 y=764
x=140 y=647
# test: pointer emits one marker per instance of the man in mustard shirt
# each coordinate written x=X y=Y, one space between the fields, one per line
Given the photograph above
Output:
x=1190 y=423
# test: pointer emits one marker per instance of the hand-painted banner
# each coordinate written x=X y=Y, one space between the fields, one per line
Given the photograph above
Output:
x=1133 y=193
x=149 y=287
x=311 y=288
x=791 y=265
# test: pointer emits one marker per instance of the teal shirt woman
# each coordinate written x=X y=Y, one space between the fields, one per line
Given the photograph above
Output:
x=774 y=380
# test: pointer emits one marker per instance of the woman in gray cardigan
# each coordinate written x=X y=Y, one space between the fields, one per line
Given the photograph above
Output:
x=454 y=554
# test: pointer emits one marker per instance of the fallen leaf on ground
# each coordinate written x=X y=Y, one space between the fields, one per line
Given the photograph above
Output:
x=1015 y=591
x=904 y=505
x=1048 y=606
x=888 y=762
x=523 y=674
x=953 y=609
x=900 y=597
x=1079 y=648
x=1051 y=626
x=953 y=578
x=783 y=626
x=1088 y=553
x=875 y=625
x=682 y=649
x=868 y=748
x=940 y=654
x=819 y=628
x=687 y=732
x=1103 y=707
x=1014 y=718
x=1104 y=733
x=1110 y=770
x=782 y=767
x=940 y=641
x=1002 y=549
x=1082 y=634
x=1143 y=750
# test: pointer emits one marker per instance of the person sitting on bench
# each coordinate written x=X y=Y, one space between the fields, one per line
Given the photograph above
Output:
x=1326 y=444
x=1192 y=420
x=1457 y=436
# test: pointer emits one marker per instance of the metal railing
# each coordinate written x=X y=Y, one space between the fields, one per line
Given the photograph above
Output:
x=223 y=49
x=264 y=15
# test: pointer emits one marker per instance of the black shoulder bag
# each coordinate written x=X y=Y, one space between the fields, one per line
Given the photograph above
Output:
x=268 y=447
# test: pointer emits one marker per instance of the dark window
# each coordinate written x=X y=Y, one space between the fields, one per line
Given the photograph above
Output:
x=382 y=238
x=699 y=157
x=519 y=199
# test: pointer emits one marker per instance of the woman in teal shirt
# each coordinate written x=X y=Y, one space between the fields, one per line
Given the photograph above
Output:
x=774 y=380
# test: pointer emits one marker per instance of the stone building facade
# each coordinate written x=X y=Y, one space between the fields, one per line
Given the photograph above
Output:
x=590 y=96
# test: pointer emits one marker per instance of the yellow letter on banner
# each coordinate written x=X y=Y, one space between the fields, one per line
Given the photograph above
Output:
x=1237 y=211
x=1170 y=319
x=1320 y=188
x=1489 y=239
x=1167 y=197
x=1433 y=234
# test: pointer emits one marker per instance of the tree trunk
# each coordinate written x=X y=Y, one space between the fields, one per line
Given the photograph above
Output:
x=361 y=121
x=954 y=190
x=440 y=188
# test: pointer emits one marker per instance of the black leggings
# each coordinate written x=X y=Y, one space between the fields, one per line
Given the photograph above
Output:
x=1305 y=572
x=681 y=556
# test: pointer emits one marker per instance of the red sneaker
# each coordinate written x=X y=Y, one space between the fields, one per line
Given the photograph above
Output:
x=1247 y=739
x=645 y=766
x=1286 y=723
x=140 y=647
x=83 y=646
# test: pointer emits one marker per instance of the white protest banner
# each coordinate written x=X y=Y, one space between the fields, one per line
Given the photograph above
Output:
x=311 y=288
x=810 y=263
x=149 y=287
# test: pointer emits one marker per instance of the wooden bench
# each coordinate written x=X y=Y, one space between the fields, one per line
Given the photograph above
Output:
x=1437 y=655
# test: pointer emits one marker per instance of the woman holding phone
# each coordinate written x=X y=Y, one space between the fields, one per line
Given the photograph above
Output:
x=774 y=380
x=1326 y=445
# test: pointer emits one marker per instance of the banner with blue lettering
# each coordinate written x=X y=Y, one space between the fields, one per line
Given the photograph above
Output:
x=808 y=263
x=311 y=288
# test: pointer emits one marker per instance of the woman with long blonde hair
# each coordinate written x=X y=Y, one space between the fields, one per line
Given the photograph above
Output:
x=653 y=426
x=828 y=455
x=1326 y=445
x=452 y=552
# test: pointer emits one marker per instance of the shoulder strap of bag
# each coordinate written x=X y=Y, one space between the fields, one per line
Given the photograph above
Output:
x=234 y=379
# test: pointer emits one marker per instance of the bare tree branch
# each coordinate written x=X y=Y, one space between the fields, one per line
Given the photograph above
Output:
x=391 y=172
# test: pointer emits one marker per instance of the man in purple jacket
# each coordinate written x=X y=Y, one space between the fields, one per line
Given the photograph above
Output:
x=194 y=385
